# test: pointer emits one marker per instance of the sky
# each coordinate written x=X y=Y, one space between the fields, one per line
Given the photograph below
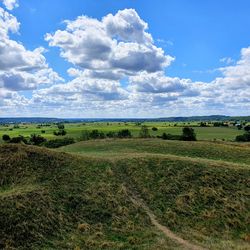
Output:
x=126 y=58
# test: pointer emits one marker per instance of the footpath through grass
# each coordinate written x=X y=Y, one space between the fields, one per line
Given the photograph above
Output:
x=57 y=200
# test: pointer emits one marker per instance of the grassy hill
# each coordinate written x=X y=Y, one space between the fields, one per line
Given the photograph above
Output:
x=84 y=199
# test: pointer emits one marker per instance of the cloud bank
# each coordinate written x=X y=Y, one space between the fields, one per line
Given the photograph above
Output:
x=116 y=71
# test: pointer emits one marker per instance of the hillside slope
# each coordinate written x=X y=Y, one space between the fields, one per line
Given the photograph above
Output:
x=54 y=200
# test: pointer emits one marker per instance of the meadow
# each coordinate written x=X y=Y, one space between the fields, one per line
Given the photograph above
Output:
x=103 y=194
x=75 y=129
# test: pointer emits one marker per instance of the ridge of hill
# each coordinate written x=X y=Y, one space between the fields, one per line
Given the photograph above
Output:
x=57 y=200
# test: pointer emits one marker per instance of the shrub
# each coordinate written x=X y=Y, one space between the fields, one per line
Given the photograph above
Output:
x=84 y=135
x=203 y=124
x=124 y=133
x=170 y=137
x=18 y=139
x=247 y=128
x=43 y=131
x=61 y=132
x=56 y=143
x=95 y=134
x=154 y=129
x=239 y=126
x=60 y=126
x=6 y=138
x=144 y=132
x=111 y=134
x=37 y=139
x=243 y=138
x=188 y=134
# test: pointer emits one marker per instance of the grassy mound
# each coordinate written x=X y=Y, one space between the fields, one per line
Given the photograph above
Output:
x=236 y=153
x=51 y=200
x=188 y=195
x=55 y=200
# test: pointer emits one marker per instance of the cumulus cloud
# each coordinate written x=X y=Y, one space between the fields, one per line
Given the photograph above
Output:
x=21 y=69
x=117 y=70
x=10 y=4
x=116 y=43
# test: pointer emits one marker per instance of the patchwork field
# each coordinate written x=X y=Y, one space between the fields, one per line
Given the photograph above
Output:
x=125 y=194
x=75 y=129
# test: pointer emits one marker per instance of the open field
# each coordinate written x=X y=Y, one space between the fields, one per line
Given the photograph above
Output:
x=89 y=195
x=75 y=129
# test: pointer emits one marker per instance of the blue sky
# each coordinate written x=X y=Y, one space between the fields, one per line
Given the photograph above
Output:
x=204 y=38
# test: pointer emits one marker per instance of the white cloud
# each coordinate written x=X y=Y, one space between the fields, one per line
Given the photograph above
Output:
x=227 y=60
x=21 y=69
x=117 y=42
x=10 y=4
x=117 y=71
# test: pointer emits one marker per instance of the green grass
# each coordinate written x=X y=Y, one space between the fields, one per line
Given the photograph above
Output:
x=75 y=129
x=78 y=198
x=237 y=153
x=51 y=200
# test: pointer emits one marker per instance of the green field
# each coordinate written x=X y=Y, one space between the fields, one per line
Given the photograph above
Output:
x=99 y=194
x=75 y=130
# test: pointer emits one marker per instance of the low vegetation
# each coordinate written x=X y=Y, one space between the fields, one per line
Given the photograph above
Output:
x=56 y=200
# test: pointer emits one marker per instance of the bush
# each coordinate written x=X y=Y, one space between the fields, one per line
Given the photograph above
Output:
x=188 y=134
x=43 y=131
x=95 y=134
x=6 y=138
x=60 y=126
x=154 y=129
x=61 y=132
x=18 y=139
x=243 y=138
x=247 y=128
x=56 y=143
x=203 y=124
x=170 y=137
x=124 y=133
x=84 y=135
x=144 y=132
x=239 y=126
x=111 y=134
x=37 y=139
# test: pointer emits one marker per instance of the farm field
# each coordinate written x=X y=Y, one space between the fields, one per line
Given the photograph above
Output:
x=75 y=130
x=103 y=194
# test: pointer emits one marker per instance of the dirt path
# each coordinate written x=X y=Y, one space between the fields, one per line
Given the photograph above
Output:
x=187 y=245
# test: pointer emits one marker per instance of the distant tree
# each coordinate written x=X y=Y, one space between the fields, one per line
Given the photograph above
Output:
x=56 y=143
x=188 y=134
x=95 y=134
x=111 y=134
x=243 y=138
x=154 y=129
x=18 y=139
x=144 y=132
x=60 y=126
x=6 y=138
x=84 y=135
x=203 y=124
x=16 y=126
x=247 y=128
x=239 y=126
x=61 y=132
x=124 y=133
x=170 y=137
x=43 y=131
x=37 y=139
